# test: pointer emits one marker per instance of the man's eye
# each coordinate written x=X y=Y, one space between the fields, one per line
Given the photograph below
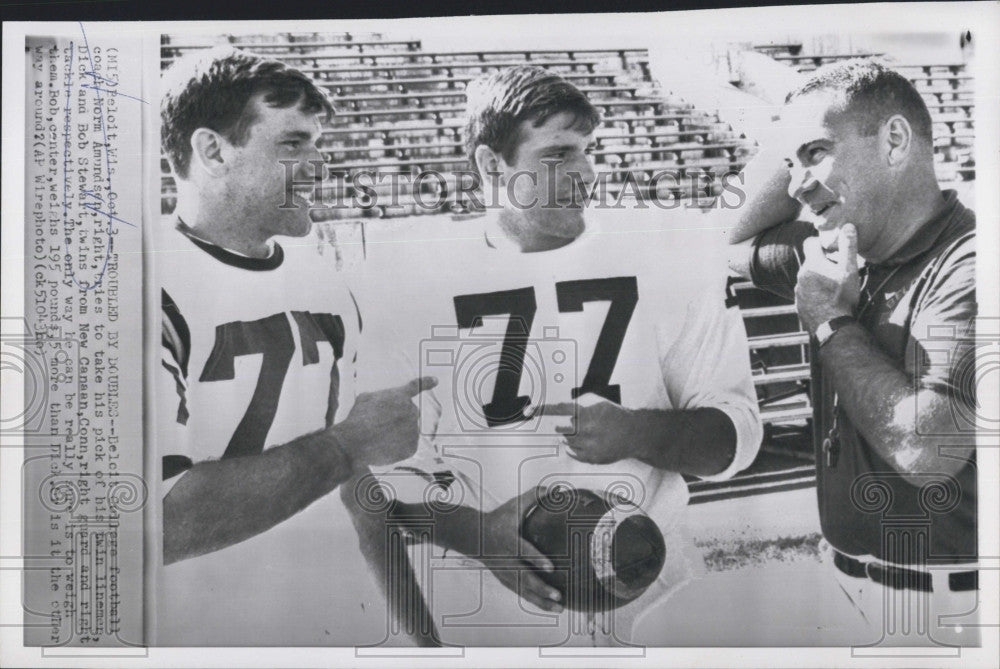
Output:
x=294 y=143
x=817 y=153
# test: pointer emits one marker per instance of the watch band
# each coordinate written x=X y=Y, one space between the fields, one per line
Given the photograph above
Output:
x=826 y=330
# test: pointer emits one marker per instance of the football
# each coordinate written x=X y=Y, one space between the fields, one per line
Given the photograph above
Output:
x=605 y=550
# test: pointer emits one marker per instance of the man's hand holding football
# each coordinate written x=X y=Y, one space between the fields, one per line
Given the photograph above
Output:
x=502 y=539
x=828 y=289
x=382 y=426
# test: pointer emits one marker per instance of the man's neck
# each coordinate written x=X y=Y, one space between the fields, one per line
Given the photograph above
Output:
x=218 y=226
x=912 y=209
x=517 y=231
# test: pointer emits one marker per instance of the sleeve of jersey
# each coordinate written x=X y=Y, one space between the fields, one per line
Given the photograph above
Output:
x=708 y=365
x=777 y=256
x=942 y=330
x=171 y=394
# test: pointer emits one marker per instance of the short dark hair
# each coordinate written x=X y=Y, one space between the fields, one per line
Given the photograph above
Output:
x=499 y=102
x=871 y=94
x=212 y=89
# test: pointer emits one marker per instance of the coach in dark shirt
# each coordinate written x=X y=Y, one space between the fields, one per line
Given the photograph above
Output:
x=893 y=379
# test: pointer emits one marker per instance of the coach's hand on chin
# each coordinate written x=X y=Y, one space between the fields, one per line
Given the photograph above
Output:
x=382 y=426
x=828 y=286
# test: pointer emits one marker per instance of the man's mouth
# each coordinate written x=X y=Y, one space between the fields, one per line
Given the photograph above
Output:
x=570 y=202
x=822 y=209
x=304 y=195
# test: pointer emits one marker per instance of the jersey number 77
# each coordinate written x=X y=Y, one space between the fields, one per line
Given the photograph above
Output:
x=506 y=406
x=272 y=338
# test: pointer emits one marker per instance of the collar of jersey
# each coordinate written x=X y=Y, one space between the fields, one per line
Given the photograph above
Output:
x=232 y=258
x=951 y=215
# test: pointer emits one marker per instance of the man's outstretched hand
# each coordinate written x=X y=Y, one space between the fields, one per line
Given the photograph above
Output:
x=596 y=430
x=382 y=426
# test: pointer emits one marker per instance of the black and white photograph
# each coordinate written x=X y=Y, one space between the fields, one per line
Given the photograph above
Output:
x=530 y=340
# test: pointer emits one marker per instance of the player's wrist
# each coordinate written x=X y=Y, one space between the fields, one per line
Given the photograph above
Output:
x=343 y=439
x=461 y=531
x=333 y=458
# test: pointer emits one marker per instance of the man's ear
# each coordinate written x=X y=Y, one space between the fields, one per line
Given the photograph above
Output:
x=897 y=138
x=206 y=151
x=488 y=162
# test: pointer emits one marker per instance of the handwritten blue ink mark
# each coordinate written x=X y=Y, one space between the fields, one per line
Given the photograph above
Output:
x=110 y=92
x=85 y=193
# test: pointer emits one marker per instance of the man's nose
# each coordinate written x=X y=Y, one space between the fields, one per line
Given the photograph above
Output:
x=802 y=181
x=586 y=169
x=314 y=166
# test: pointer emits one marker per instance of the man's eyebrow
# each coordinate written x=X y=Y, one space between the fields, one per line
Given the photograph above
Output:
x=297 y=134
x=559 y=147
x=804 y=146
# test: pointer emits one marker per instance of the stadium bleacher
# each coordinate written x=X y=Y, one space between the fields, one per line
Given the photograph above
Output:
x=400 y=113
x=400 y=107
x=945 y=87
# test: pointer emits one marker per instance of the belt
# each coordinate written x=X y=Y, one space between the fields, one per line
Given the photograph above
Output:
x=901 y=578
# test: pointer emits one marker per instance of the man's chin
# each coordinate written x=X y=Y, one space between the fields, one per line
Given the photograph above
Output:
x=574 y=224
x=299 y=226
x=305 y=228
x=828 y=239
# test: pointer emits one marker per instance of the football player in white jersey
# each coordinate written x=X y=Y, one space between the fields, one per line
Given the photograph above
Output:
x=575 y=350
x=257 y=413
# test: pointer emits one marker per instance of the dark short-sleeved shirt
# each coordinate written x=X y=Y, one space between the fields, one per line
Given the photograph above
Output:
x=921 y=316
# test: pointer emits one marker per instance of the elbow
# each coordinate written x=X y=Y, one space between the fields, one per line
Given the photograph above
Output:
x=720 y=434
x=734 y=438
x=917 y=458
x=171 y=530
x=922 y=439
x=177 y=514
x=745 y=434
x=726 y=464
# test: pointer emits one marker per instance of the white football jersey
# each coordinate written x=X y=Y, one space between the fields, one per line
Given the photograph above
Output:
x=256 y=353
x=634 y=311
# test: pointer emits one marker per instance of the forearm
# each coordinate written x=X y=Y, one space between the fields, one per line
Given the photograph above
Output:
x=222 y=502
x=768 y=203
x=701 y=442
x=904 y=423
x=389 y=561
x=456 y=527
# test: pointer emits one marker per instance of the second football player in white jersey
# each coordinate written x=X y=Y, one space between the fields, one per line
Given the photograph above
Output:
x=598 y=356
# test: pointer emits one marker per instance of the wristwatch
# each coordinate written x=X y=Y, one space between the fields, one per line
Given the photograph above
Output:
x=826 y=329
